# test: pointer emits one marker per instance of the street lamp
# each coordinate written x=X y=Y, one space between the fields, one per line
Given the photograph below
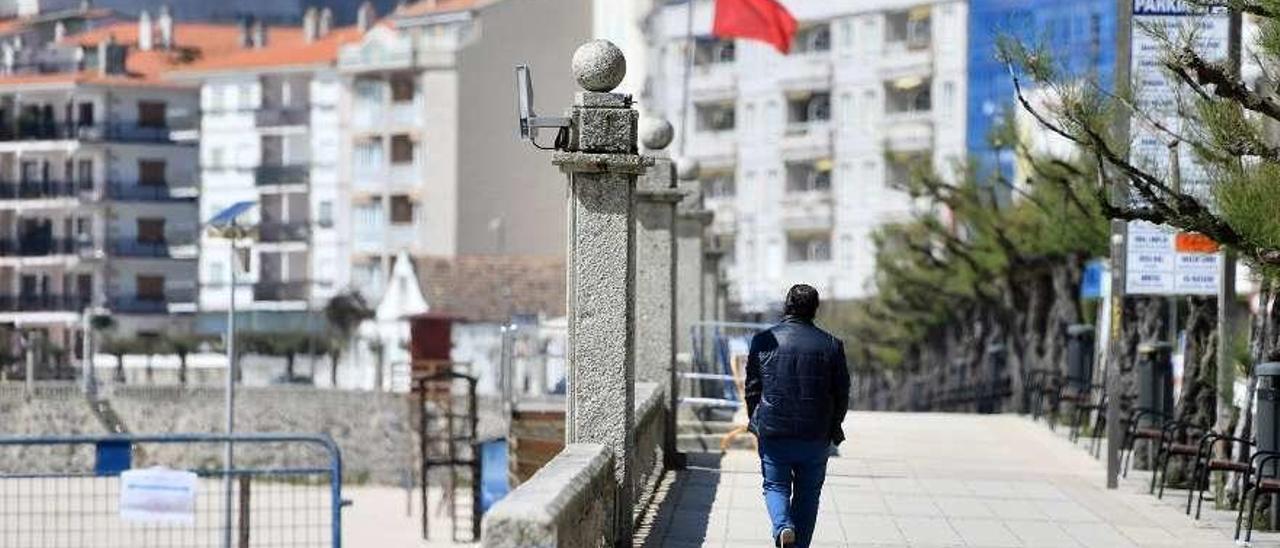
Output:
x=227 y=224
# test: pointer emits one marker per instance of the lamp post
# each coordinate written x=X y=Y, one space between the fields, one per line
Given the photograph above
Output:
x=227 y=224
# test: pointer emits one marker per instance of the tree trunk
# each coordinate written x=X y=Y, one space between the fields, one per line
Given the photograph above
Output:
x=182 y=368
x=288 y=367
x=333 y=369
x=120 y=368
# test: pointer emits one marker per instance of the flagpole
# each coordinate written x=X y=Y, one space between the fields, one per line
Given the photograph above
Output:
x=688 y=76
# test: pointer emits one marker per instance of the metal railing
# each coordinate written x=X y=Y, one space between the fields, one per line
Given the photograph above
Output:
x=27 y=190
x=284 y=232
x=280 y=291
x=38 y=247
x=137 y=191
x=117 y=131
x=132 y=247
x=46 y=302
x=283 y=490
x=283 y=175
x=150 y=304
x=281 y=116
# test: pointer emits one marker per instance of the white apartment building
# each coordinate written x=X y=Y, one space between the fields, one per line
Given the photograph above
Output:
x=97 y=200
x=799 y=153
x=270 y=134
x=429 y=143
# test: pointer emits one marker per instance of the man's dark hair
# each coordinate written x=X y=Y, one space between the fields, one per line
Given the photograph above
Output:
x=802 y=302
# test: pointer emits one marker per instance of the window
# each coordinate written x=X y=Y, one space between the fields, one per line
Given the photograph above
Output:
x=808 y=248
x=150 y=231
x=152 y=114
x=909 y=28
x=150 y=288
x=908 y=94
x=809 y=177
x=900 y=166
x=713 y=51
x=846 y=34
x=85 y=114
x=402 y=88
x=713 y=117
x=368 y=155
x=84 y=173
x=718 y=184
x=216 y=272
x=325 y=213
x=401 y=210
x=813 y=39
x=807 y=107
x=245 y=92
x=151 y=172
x=84 y=287
x=401 y=149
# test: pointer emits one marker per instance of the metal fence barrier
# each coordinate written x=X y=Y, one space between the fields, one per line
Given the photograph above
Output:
x=65 y=491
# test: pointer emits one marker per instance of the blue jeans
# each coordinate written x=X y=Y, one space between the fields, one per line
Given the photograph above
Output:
x=793 y=474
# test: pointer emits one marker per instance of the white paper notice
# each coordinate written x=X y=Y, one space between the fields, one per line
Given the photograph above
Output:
x=158 y=495
x=1163 y=261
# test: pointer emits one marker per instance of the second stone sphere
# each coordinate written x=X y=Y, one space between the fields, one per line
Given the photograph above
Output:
x=599 y=66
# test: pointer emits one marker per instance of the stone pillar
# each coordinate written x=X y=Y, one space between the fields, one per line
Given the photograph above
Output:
x=691 y=223
x=656 y=199
x=602 y=165
x=711 y=298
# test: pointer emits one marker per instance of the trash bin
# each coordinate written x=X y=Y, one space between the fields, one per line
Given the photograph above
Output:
x=1155 y=379
x=1268 y=397
x=1080 y=350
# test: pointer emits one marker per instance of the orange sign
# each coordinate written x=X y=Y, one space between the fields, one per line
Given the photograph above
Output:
x=1191 y=242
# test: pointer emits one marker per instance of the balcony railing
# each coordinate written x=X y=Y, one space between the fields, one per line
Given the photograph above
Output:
x=283 y=232
x=273 y=117
x=132 y=191
x=151 y=304
x=121 y=131
x=42 y=303
x=283 y=175
x=280 y=291
x=38 y=247
x=131 y=247
x=32 y=190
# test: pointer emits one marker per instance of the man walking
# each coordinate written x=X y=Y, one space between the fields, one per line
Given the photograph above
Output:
x=797 y=394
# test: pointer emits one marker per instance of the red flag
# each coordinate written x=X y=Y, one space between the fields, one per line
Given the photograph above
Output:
x=764 y=20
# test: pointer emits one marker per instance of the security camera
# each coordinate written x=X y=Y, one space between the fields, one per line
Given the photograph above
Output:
x=530 y=122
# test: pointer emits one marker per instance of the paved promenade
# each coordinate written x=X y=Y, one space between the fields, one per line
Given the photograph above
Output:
x=938 y=480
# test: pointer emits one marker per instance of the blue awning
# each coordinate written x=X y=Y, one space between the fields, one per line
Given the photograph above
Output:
x=228 y=216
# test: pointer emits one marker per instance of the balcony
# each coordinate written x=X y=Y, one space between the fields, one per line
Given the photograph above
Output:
x=48 y=302
x=128 y=132
x=909 y=131
x=280 y=116
x=714 y=145
x=808 y=210
x=37 y=190
x=130 y=247
x=713 y=81
x=151 y=304
x=38 y=247
x=139 y=192
x=806 y=71
x=807 y=140
x=283 y=175
x=404 y=115
x=283 y=232
x=276 y=291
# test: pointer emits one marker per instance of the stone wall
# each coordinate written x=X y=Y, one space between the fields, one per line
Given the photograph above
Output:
x=650 y=426
x=567 y=504
x=374 y=430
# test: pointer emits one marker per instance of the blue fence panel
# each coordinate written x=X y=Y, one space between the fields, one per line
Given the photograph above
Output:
x=284 y=490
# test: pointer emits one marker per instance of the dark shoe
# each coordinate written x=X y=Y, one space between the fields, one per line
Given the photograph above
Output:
x=787 y=538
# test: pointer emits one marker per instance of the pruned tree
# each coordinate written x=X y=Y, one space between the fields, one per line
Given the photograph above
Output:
x=343 y=314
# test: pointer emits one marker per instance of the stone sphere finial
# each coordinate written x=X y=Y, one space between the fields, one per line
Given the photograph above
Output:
x=599 y=65
x=688 y=169
x=656 y=133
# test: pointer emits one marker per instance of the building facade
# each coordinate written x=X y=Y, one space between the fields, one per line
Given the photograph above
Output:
x=270 y=134
x=1081 y=35
x=97 y=197
x=800 y=154
x=429 y=132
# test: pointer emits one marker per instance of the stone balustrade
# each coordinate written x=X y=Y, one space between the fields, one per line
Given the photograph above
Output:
x=568 y=503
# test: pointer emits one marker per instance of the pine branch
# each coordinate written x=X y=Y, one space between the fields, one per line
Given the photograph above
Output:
x=1224 y=84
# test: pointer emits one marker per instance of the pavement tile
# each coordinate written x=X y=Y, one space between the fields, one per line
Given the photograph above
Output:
x=928 y=532
x=1041 y=533
x=985 y=532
